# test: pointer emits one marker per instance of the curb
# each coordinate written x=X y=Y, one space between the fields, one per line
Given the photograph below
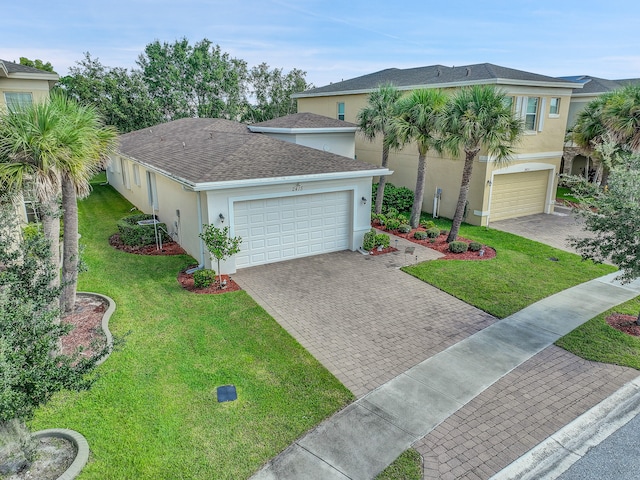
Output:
x=105 y=321
x=560 y=451
x=80 y=444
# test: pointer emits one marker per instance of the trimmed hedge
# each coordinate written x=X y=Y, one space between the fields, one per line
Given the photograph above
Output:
x=420 y=235
x=203 y=278
x=400 y=198
x=475 y=246
x=369 y=241
x=433 y=232
x=140 y=235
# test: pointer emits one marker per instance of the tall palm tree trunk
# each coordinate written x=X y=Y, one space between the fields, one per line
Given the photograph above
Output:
x=51 y=230
x=418 y=195
x=383 y=179
x=462 y=197
x=70 y=247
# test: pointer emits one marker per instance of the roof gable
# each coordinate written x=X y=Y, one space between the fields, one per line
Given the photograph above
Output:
x=305 y=120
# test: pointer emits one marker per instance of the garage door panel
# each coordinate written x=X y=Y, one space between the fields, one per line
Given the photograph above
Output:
x=519 y=194
x=283 y=228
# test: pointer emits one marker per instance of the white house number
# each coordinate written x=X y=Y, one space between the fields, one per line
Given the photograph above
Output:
x=297 y=187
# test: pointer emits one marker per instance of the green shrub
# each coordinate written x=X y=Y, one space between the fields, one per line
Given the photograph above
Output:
x=433 y=232
x=444 y=232
x=139 y=235
x=404 y=217
x=369 y=242
x=458 y=247
x=380 y=218
x=427 y=224
x=382 y=240
x=420 y=235
x=475 y=246
x=392 y=224
x=203 y=278
x=30 y=231
x=404 y=228
x=392 y=213
x=399 y=198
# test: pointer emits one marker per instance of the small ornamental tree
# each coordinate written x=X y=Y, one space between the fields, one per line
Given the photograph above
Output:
x=220 y=245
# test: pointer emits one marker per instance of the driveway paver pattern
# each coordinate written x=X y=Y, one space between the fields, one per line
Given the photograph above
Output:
x=359 y=315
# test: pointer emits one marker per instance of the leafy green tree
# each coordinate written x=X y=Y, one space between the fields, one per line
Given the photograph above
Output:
x=120 y=95
x=612 y=214
x=31 y=370
x=194 y=81
x=622 y=117
x=375 y=118
x=37 y=63
x=417 y=120
x=220 y=244
x=272 y=90
x=477 y=117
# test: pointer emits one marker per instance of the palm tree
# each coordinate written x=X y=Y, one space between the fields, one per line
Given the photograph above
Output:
x=621 y=115
x=89 y=143
x=54 y=147
x=477 y=117
x=373 y=119
x=29 y=156
x=417 y=119
x=589 y=131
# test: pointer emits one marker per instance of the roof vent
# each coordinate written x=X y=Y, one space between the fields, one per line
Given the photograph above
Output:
x=183 y=145
x=468 y=71
x=438 y=72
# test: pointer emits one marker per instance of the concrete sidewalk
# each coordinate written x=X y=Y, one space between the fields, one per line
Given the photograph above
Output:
x=361 y=440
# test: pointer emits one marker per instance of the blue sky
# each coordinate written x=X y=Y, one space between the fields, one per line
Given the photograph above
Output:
x=335 y=40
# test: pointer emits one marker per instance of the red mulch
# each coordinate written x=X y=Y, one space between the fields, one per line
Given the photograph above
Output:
x=87 y=326
x=624 y=323
x=186 y=280
x=440 y=244
x=375 y=251
x=168 y=248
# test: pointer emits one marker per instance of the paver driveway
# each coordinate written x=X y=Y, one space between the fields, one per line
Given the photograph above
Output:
x=362 y=317
x=553 y=229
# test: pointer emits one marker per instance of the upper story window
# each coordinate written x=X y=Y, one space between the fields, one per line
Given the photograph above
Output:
x=531 y=113
x=341 y=111
x=508 y=102
x=136 y=174
x=554 y=106
x=18 y=100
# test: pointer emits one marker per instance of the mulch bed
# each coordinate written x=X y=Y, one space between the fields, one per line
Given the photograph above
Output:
x=440 y=244
x=375 y=251
x=186 y=280
x=168 y=248
x=87 y=330
x=624 y=323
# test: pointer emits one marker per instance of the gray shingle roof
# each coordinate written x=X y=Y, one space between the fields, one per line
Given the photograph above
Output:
x=435 y=75
x=305 y=120
x=204 y=150
x=12 y=67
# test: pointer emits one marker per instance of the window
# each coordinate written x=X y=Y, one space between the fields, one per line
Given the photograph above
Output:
x=341 y=111
x=125 y=174
x=152 y=190
x=136 y=174
x=508 y=102
x=531 y=113
x=18 y=100
x=554 y=106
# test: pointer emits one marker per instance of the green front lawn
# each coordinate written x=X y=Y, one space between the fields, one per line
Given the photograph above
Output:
x=597 y=341
x=565 y=193
x=153 y=412
x=522 y=272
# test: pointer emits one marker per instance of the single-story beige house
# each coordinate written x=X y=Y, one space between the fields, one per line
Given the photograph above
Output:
x=284 y=199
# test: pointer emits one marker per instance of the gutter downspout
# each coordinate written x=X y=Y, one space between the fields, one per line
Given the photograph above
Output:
x=200 y=230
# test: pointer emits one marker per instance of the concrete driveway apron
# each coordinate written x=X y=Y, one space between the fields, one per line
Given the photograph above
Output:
x=359 y=315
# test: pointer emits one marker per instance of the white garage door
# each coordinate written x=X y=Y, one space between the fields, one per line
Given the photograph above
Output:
x=276 y=229
x=518 y=194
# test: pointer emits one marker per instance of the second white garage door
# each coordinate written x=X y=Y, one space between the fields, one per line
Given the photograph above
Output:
x=276 y=229
x=518 y=194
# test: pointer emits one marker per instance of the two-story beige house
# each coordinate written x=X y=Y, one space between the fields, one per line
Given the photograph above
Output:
x=524 y=186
